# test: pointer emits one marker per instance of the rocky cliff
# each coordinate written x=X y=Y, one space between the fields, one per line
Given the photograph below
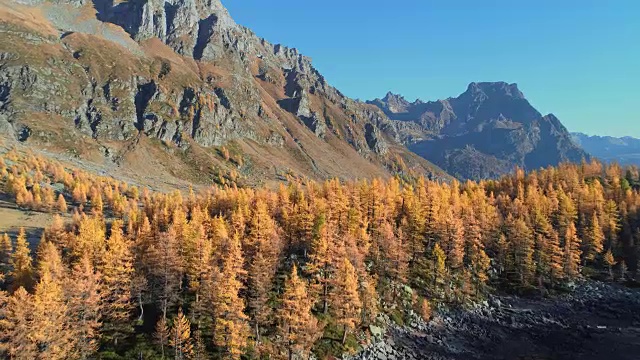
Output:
x=483 y=133
x=180 y=82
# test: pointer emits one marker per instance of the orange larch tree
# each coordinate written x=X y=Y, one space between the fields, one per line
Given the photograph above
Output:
x=90 y=239
x=17 y=331
x=21 y=274
x=296 y=325
x=321 y=262
x=230 y=323
x=344 y=300
x=6 y=250
x=61 y=204
x=117 y=274
x=85 y=307
x=263 y=249
x=180 y=337
x=166 y=271
x=53 y=326
x=593 y=241
x=571 y=251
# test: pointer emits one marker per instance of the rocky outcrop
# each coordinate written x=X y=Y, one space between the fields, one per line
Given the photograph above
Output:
x=117 y=110
x=194 y=28
x=203 y=30
x=483 y=133
x=300 y=107
x=375 y=140
x=579 y=325
x=182 y=72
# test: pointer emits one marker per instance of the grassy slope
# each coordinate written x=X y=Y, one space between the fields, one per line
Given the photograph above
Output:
x=154 y=162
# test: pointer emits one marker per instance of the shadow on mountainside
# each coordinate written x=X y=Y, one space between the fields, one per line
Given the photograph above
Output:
x=598 y=321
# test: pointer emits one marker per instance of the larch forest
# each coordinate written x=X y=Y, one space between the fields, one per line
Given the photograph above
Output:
x=229 y=273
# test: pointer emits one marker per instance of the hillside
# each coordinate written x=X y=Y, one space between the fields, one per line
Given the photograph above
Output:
x=624 y=150
x=485 y=132
x=173 y=186
x=178 y=91
x=119 y=271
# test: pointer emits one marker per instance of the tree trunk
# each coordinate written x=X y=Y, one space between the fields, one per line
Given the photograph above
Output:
x=257 y=334
x=435 y=275
x=164 y=309
x=290 y=347
x=325 y=291
x=477 y=287
x=344 y=335
x=141 y=307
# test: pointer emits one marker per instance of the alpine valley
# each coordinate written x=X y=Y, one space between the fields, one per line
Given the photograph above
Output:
x=173 y=186
x=180 y=92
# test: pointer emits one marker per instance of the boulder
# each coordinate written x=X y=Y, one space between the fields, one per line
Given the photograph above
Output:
x=376 y=331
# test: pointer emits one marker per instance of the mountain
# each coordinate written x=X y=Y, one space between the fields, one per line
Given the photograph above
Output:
x=624 y=150
x=483 y=133
x=176 y=90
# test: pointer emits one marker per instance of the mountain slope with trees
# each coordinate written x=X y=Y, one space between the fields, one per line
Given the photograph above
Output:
x=125 y=272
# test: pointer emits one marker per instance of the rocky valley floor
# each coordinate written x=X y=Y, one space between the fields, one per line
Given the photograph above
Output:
x=596 y=321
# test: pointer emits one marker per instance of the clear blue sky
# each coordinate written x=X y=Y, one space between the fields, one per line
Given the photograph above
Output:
x=578 y=59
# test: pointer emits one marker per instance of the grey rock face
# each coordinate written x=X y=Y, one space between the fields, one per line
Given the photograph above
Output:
x=483 y=133
x=200 y=29
x=5 y=125
x=15 y=82
x=153 y=21
x=375 y=140
x=204 y=115
x=76 y=3
x=300 y=107
x=220 y=97
x=316 y=124
x=577 y=325
x=116 y=109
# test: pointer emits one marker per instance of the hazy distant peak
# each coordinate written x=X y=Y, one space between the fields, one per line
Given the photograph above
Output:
x=625 y=150
x=395 y=103
x=490 y=89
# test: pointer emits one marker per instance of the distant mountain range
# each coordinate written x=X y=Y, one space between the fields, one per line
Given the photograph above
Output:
x=624 y=150
x=483 y=133
x=178 y=90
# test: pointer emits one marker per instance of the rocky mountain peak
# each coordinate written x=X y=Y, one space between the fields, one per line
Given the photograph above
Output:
x=484 y=132
x=395 y=103
x=393 y=97
x=494 y=89
x=196 y=28
x=125 y=73
x=216 y=7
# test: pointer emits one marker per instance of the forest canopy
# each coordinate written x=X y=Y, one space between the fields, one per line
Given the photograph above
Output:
x=125 y=272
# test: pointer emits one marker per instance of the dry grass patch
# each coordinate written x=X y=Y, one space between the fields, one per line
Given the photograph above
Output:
x=28 y=18
x=106 y=60
x=34 y=223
